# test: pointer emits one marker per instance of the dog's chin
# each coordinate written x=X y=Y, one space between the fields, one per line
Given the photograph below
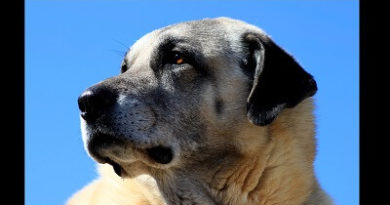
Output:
x=124 y=155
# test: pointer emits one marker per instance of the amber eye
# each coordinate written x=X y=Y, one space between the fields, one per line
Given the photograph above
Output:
x=178 y=59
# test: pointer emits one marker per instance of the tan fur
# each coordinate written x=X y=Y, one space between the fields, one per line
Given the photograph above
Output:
x=111 y=189
x=276 y=162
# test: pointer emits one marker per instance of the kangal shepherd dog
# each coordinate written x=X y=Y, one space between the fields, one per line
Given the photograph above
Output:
x=207 y=112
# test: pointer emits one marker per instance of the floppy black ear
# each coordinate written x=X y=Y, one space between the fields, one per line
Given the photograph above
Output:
x=278 y=80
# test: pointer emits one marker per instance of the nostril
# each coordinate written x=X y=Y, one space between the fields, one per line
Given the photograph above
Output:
x=95 y=101
x=82 y=100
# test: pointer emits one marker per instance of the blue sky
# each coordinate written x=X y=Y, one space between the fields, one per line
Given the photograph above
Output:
x=70 y=45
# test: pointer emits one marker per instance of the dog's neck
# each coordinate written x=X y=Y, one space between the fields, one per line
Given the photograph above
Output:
x=277 y=170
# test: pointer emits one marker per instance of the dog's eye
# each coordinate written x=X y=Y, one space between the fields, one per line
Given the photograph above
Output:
x=177 y=58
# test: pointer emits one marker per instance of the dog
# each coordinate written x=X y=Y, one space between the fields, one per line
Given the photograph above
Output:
x=206 y=112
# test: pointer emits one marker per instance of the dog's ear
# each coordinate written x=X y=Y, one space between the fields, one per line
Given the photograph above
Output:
x=278 y=81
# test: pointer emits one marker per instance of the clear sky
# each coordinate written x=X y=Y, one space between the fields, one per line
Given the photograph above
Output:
x=70 y=45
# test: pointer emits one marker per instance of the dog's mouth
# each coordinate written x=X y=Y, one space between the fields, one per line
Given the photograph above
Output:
x=104 y=149
x=160 y=154
x=117 y=168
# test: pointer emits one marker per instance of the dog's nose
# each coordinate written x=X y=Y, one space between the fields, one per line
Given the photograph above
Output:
x=94 y=101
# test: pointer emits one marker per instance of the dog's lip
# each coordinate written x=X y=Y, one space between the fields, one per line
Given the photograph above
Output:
x=99 y=141
x=118 y=169
x=158 y=156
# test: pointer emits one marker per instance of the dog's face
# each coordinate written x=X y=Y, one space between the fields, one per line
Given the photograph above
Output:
x=183 y=94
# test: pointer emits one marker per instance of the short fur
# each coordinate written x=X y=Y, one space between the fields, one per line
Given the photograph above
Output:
x=233 y=124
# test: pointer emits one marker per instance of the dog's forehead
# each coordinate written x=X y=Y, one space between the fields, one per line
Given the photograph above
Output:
x=212 y=35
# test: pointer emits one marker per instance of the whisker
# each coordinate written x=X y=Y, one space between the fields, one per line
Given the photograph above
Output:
x=121 y=43
x=120 y=53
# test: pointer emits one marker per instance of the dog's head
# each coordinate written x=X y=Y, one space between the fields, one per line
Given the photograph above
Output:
x=184 y=92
